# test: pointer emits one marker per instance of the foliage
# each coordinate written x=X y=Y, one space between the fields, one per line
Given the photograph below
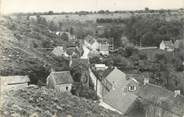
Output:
x=80 y=75
x=151 y=31
x=64 y=36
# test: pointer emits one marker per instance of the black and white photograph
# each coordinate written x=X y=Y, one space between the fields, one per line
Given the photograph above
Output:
x=91 y=58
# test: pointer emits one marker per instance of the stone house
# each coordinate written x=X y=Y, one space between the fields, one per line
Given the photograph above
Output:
x=61 y=81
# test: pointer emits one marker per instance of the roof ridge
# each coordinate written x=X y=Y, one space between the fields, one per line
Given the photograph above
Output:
x=59 y=71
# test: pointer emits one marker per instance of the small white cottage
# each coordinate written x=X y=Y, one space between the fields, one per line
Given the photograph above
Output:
x=167 y=45
x=61 y=81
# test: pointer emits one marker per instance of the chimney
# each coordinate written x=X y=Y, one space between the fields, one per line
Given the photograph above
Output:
x=176 y=93
x=146 y=81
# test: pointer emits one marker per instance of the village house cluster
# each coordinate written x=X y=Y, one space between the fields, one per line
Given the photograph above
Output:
x=116 y=90
x=170 y=46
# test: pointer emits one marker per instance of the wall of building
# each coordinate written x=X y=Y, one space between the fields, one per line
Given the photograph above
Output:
x=118 y=98
x=63 y=87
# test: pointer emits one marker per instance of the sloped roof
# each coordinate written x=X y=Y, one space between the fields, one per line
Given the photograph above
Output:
x=14 y=79
x=63 y=77
x=174 y=104
x=102 y=40
x=168 y=44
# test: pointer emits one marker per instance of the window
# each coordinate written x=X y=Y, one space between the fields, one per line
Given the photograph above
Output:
x=132 y=88
x=67 y=88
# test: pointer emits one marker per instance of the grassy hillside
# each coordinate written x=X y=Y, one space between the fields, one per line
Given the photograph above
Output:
x=46 y=103
x=21 y=44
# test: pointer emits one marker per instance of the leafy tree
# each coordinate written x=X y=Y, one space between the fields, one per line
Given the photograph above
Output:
x=65 y=37
x=95 y=60
x=52 y=26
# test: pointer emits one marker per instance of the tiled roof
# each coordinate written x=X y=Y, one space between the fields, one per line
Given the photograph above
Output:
x=168 y=44
x=63 y=77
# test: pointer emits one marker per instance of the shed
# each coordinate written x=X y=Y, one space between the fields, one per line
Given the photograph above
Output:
x=61 y=81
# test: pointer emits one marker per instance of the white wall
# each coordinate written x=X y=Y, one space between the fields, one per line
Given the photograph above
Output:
x=62 y=87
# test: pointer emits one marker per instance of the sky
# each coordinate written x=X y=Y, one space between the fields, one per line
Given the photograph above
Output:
x=11 y=6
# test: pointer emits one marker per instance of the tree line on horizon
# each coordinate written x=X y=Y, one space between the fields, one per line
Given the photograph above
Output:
x=146 y=10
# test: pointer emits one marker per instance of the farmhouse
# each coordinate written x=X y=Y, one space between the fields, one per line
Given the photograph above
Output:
x=115 y=89
x=167 y=45
x=61 y=81
x=13 y=82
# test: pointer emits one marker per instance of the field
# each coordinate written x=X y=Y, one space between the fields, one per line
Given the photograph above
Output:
x=93 y=17
x=82 y=18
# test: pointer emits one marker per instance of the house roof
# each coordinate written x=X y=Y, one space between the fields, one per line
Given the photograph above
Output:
x=174 y=104
x=62 y=77
x=102 y=40
x=14 y=79
x=128 y=98
x=168 y=44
